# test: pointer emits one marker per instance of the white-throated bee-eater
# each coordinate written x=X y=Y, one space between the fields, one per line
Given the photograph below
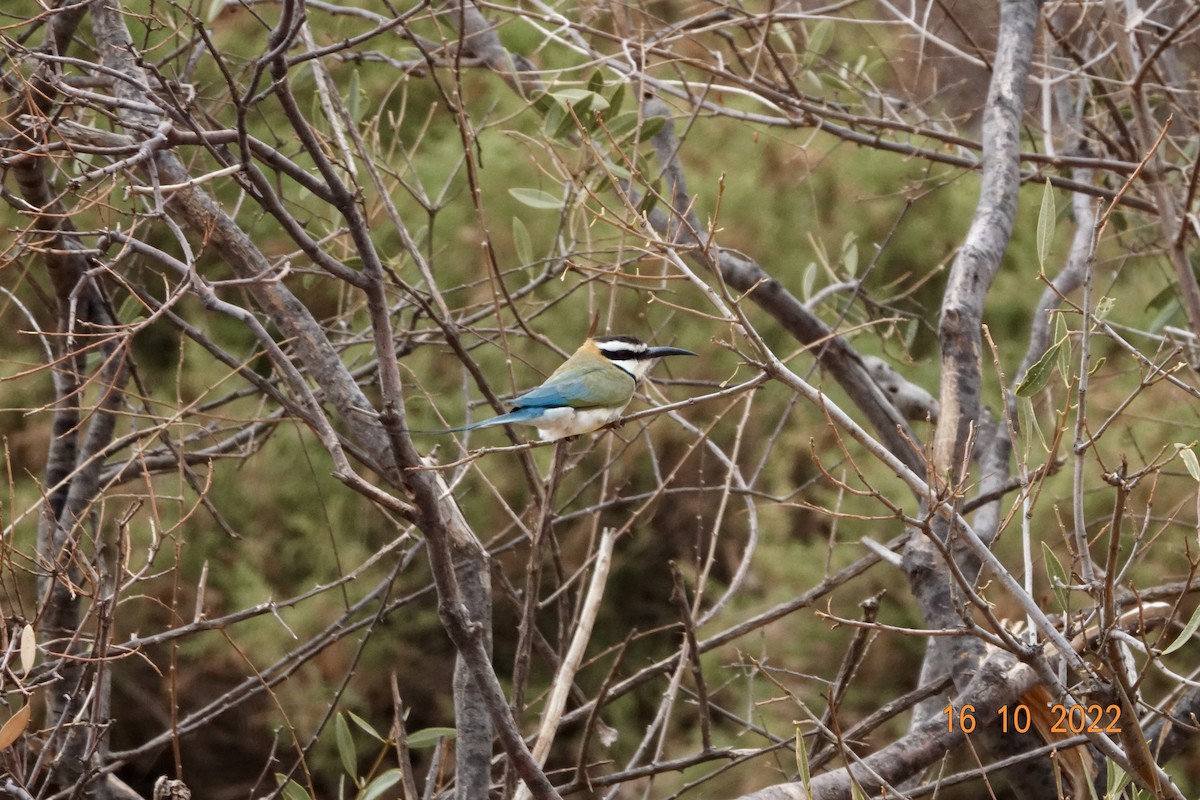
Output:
x=589 y=390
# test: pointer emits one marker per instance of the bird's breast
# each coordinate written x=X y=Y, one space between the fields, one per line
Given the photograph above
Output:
x=559 y=423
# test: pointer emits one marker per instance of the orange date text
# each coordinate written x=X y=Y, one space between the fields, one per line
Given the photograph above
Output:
x=1065 y=719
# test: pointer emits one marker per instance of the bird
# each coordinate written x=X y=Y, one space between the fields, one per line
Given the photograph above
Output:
x=588 y=391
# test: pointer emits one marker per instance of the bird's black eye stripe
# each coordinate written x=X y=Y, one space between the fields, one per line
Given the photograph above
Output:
x=623 y=354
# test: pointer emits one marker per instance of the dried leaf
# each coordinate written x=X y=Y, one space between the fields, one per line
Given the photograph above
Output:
x=28 y=648
x=16 y=725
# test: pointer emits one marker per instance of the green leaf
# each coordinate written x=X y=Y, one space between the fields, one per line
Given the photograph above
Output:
x=1105 y=307
x=809 y=281
x=1118 y=779
x=1039 y=373
x=353 y=100
x=818 y=42
x=1063 y=335
x=366 y=726
x=559 y=123
x=1163 y=298
x=582 y=99
x=1168 y=314
x=214 y=10
x=345 y=746
x=1029 y=421
x=522 y=243
x=544 y=103
x=131 y=310
x=802 y=761
x=1058 y=575
x=615 y=100
x=850 y=254
x=428 y=737
x=649 y=199
x=377 y=787
x=289 y=789
x=622 y=124
x=1045 y=225
x=1189 y=459
x=536 y=198
x=582 y=106
x=1186 y=634
x=618 y=171
x=651 y=127
x=596 y=83
x=780 y=32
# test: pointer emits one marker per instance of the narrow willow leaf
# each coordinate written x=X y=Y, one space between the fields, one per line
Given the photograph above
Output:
x=1029 y=421
x=582 y=99
x=14 y=727
x=818 y=41
x=428 y=737
x=622 y=124
x=809 y=281
x=353 y=98
x=556 y=116
x=1058 y=575
x=536 y=198
x=1189 y=460
x=1045 y=225
x=376 y=788
x=784 y=37
x=615 y=100
x=345 y=746
x=366 y=726
x=1039 y=373
x=28 y=648
x=214 y=10
x=850 y=254
x=522 y=243
x=131 y=310
x=1186 y=634
x=649 y=199
x=651 y=127
x=567 y=125
x=543 y=103
x=802 y=761
x=1066 y=364
x=290 y=789
x=1118 y=779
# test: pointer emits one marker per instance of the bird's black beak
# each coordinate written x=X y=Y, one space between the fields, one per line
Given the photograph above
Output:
x=659 y=352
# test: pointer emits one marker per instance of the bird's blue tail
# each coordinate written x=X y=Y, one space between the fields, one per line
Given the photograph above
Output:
x=517 y=416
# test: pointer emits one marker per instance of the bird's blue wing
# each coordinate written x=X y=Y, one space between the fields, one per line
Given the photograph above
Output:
x=580 y=388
